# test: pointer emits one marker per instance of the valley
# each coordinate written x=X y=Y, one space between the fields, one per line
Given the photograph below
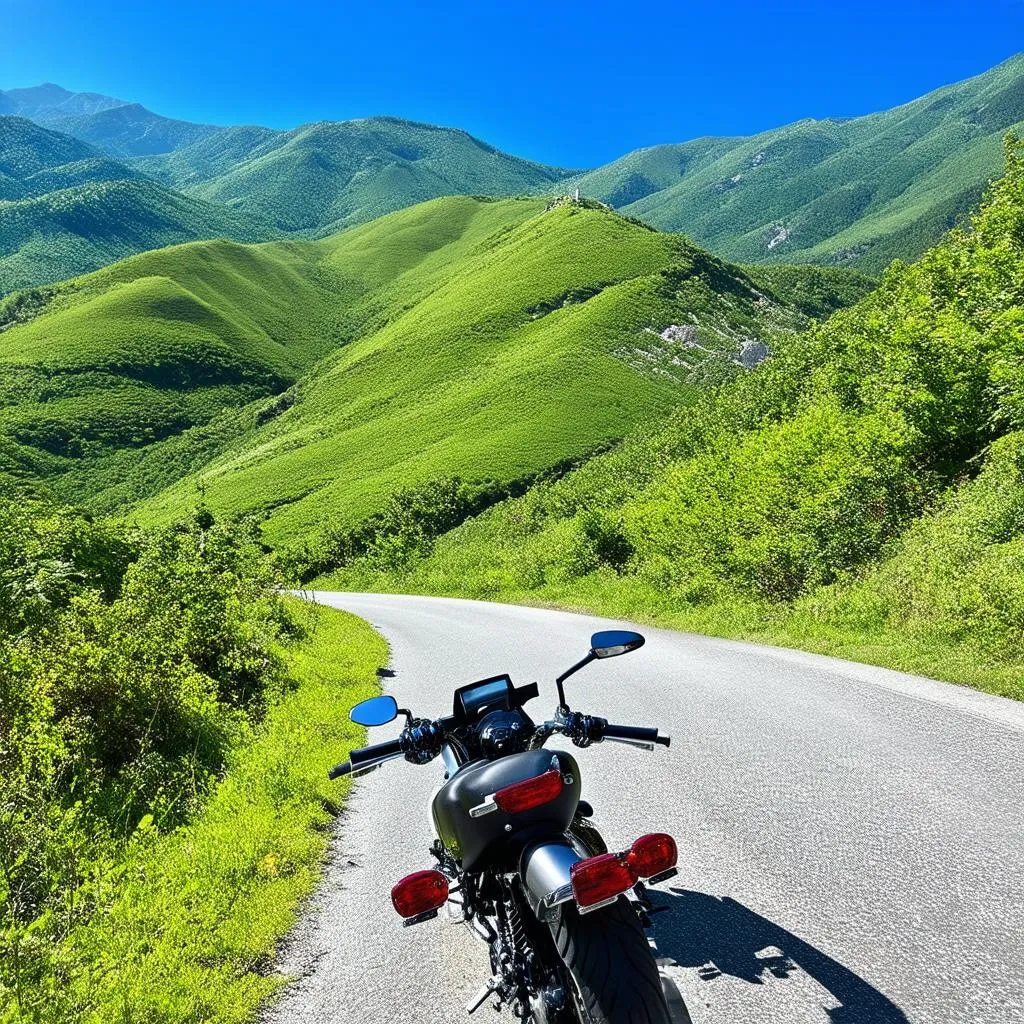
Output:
x=307 y=382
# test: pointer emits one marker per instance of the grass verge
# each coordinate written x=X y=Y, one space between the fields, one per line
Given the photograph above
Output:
x=930 y=652
x=190 y=930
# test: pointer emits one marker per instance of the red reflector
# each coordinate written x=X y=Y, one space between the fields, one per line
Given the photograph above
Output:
x=652 y=854
x=530 y=793
x=601 y=878
x=419 y=892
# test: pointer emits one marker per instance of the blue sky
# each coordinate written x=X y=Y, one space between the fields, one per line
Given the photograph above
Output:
x=571 y=84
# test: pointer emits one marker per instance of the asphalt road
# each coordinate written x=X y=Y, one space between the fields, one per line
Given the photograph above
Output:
x=851 y=839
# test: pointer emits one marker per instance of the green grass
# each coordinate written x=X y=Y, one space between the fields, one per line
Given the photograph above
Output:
x=187 y=926
x=157 y=344
x=860 y=494
x=860 y=191
x=499 y=340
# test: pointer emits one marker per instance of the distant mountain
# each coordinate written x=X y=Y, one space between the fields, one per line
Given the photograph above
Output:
x=131 y=130
x=49 y=102
x=854 y=192
x=34 y=161
x=860 y=191
x=322 y=177
x=66 y=208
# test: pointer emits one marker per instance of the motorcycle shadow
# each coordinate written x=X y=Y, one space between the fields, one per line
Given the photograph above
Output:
x=718 y=935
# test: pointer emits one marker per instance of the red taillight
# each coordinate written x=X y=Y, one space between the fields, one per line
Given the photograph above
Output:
x=420 y=892
x=530 y=793
x=652 y=854
x=600 y=878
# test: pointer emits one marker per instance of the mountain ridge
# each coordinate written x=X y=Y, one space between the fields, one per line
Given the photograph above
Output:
x=858 y=190
x=855 y=191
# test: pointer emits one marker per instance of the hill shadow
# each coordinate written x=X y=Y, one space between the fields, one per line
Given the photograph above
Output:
x=719 y=935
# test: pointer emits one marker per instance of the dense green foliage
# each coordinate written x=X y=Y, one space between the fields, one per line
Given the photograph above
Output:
x=828 y=494
x=860 y=191
x=129 y=666
x=320 y=178
x=135 y=670
x=66 y=209
x=179 y=924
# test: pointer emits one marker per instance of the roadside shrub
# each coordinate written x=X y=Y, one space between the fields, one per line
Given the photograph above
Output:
x=129 y=668
x=783 y=509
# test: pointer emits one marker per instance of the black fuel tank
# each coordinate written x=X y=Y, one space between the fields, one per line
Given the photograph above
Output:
x=471 y=839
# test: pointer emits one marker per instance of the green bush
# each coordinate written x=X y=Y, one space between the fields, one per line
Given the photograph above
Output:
x=780 y=510
x=130 y=667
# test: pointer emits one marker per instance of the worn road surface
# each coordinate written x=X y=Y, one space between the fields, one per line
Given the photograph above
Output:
x=851 y=839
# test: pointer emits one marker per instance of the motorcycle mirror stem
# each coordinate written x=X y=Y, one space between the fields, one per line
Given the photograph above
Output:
x=607 y=643
x=582 y=663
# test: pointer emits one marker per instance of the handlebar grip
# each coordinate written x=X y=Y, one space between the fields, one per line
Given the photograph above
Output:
x=389 y=748
x=340 y=769
x=635 y=732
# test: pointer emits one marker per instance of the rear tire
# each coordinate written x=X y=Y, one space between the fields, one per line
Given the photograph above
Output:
x=612 y=967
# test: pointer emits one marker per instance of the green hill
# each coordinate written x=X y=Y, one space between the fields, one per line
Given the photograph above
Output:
x=862 y=492
x=66 y=209
x=130 y=130
x=859 y=191
x=487 y=339
x=153 y=345
x=320 y=178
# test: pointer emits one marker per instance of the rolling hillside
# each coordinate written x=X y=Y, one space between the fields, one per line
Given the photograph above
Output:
x=492 y=340
x=860 y=191
x=320 y=178
x=861 y=493
x=66 y=209
x=153 y=345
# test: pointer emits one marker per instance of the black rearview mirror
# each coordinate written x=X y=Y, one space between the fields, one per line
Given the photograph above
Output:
x=375 y=711
x=610 y=643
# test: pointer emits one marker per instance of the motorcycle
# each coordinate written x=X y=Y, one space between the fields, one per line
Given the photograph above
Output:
x=519 y=860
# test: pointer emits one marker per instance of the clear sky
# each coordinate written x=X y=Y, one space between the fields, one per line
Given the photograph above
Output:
x=574 y=84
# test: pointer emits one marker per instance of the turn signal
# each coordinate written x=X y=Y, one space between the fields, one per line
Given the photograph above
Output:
x=530 y=793
x=652 y=854
x=599 y=879
x=420 y=892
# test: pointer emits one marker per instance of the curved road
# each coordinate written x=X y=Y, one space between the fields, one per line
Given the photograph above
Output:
x=851 y=839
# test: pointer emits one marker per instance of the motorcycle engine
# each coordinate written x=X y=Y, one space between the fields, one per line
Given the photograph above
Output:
x=502 y=732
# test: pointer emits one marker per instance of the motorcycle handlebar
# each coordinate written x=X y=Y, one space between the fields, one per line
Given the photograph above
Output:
x=374 y=752
x=366 y=755
x=423 y=740
x=638 y=733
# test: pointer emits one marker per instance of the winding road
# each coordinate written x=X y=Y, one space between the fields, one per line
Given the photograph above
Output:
x=851 y=839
